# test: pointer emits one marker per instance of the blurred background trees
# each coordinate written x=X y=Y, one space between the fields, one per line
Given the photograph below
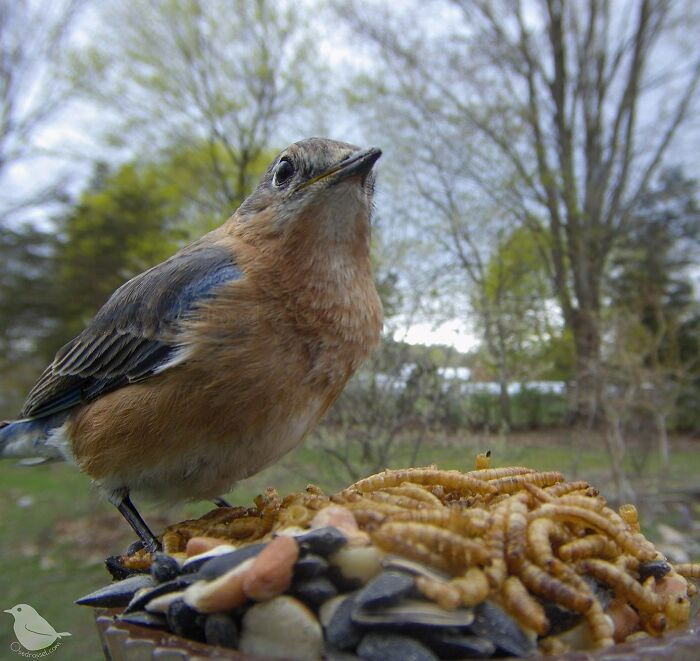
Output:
x=549 y=118
x=538 y=189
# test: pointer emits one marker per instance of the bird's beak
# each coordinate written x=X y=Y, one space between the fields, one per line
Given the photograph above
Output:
x=10 y=612
x=359 y=163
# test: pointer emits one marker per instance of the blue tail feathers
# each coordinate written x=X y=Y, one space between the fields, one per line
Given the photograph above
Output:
x=41 y=437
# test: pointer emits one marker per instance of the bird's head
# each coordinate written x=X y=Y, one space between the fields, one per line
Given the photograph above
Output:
x=21 y=610
x=317 y=188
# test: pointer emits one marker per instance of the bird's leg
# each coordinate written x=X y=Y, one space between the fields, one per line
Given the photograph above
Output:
x=220 y=502
x=120 y=499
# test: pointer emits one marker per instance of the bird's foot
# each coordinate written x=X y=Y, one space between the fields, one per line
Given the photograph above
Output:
x=221 y=502
x=120 y=499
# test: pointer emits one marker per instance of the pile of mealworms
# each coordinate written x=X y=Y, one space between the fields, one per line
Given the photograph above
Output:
x=526 y=539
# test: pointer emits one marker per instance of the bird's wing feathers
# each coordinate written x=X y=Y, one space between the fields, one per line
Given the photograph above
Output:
x=134 y=334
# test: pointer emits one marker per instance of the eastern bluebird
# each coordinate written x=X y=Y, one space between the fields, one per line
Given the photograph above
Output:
x=213 y=364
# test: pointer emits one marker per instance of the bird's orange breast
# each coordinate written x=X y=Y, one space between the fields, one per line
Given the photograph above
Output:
x=265 y=359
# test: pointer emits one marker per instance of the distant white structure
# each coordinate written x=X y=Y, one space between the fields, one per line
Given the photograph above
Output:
x=493 y=387
x=455 y=373
x=461 y=378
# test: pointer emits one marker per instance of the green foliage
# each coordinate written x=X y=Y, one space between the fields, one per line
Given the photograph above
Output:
x=122 y=225
x=517 y=271
x=523 y=339
x=28 y=309
x=654 y=317
x=191 y=177
x=530 y=409
x=26 y=287
x=651 y=270
x=556 y=358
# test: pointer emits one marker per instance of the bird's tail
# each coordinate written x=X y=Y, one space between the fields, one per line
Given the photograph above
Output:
x=5 y=434
x=41 y=438
x=64 y=633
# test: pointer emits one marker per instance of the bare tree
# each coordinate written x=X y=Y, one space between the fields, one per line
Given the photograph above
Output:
x=558 y=112
x=232 y=75
x=33 y=89
x=384 y=415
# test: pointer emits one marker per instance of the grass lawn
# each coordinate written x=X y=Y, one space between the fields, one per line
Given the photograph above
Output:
x=55 y=531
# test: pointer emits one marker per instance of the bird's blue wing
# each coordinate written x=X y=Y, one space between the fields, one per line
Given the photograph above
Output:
x=132 y=336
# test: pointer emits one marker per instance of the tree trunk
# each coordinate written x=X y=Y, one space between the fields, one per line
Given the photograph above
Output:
x=662 y=443
x=503 y=373
x=586 y=334
x=615 y=442
x=504 y=404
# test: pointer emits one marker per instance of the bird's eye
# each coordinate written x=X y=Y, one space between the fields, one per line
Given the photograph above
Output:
x=19 y=610
x=283 y=172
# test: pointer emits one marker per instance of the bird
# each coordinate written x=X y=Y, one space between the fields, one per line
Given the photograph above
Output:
x=211 y=365
x=33 y=631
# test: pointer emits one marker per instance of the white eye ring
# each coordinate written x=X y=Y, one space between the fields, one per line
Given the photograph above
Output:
x=284 y=171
